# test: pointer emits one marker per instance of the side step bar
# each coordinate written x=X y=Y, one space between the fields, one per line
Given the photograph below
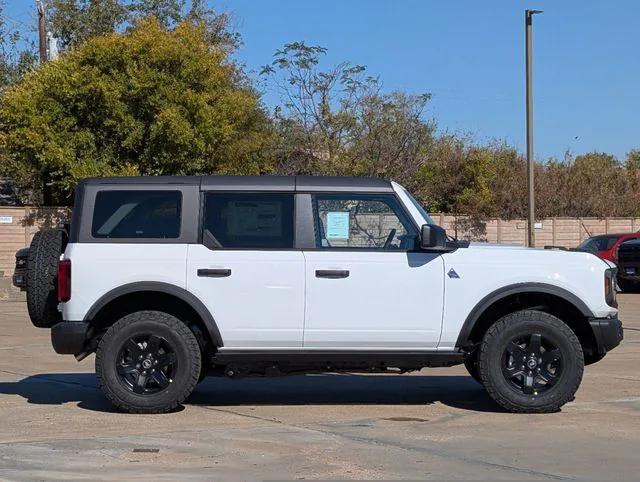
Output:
x=282 y=362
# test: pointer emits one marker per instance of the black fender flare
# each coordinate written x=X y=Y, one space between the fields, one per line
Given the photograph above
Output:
x=160 y=287
x=513 y=289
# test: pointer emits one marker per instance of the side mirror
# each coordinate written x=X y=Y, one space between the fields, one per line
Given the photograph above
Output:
x=433 y=237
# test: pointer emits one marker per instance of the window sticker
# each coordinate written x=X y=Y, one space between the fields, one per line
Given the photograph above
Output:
x=338 y=225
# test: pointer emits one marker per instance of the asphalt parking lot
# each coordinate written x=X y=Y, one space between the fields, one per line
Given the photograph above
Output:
x=55 y=423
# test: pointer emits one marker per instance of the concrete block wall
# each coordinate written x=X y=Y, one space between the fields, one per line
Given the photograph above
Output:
x=567 y=232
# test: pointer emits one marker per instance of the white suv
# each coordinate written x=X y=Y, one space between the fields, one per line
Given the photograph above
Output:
x=169 y=279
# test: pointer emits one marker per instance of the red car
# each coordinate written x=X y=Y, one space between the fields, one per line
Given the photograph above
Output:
x=605 y=246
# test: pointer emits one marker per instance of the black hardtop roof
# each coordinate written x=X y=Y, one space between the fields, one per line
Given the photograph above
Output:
x=254 y=183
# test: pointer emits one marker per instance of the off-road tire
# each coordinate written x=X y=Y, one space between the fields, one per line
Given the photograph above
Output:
x=471 y=364
x=495 y=341
x=42 y=277
x=188 y=357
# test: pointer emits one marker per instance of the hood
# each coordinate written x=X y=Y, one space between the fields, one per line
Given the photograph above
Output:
x=534 y=251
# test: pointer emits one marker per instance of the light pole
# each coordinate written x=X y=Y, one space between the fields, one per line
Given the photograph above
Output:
x=531 y=236
x=42 y=32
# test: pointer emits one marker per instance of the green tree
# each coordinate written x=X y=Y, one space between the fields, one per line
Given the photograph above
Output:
x=338 y=121
x=148 y=102
x=462 y=177
x=167 y=12
x=76 y=21
x=632 y=161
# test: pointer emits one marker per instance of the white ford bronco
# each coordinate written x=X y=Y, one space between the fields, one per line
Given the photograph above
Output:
x=170 y=279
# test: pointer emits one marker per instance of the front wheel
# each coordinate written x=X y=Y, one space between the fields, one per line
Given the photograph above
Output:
x=148 y=362
x=531 y=362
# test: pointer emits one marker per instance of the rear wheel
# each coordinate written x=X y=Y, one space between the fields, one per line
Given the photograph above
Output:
x=148 y=362
x=531 y=362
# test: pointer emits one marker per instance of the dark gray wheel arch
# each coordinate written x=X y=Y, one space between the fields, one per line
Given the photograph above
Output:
x=159 y=287
x=505 y=291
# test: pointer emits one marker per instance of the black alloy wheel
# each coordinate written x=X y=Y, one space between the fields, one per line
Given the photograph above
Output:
x=146 y=364
x=532 y=364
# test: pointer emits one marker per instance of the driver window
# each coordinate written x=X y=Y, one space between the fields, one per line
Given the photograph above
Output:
x=366 y=221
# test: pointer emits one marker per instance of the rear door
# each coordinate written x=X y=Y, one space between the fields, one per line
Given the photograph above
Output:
x=367 y=285
x=247 y=271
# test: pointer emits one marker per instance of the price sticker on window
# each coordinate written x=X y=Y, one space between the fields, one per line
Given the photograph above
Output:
x=338 y=225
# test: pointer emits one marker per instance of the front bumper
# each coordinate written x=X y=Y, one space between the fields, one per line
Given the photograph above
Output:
x=608 y=333
x=70 y=337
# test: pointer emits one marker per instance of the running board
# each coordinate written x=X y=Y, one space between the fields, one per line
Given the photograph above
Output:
x=282 y=362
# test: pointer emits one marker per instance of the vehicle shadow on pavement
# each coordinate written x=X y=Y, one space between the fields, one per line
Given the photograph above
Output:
x=326 y=389
x=60 y=388
x=346 y=389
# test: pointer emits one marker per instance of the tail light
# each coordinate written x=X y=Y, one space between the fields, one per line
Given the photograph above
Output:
x=64 y=280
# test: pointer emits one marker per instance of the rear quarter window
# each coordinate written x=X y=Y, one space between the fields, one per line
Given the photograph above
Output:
x=137 y=214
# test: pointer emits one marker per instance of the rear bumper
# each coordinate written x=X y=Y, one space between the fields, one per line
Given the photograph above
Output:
x=20 y=273
x=70 y=337
x=608 y=333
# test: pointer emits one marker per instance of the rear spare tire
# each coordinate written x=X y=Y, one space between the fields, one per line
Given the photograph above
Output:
x=42 y=273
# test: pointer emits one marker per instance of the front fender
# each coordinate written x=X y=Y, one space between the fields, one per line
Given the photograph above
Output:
x=502 y=293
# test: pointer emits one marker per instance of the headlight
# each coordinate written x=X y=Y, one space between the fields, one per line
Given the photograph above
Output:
x=610 y=287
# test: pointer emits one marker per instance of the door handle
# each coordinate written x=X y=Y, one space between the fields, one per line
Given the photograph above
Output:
x=214 y=273
x=332 y=273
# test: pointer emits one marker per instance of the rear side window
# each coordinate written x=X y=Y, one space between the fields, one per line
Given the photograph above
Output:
x=247 y=221
x=137 y=214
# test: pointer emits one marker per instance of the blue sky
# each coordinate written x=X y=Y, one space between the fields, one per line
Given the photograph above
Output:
x=469 y=55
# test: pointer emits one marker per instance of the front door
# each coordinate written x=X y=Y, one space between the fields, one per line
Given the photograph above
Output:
x=247 y=272
x=367 y=285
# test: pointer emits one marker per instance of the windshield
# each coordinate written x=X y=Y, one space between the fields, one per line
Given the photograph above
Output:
x=599 y=243
x=424 y=213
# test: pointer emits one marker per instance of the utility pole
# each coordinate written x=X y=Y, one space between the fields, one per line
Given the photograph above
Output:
x=42 y=32
x=531 y=235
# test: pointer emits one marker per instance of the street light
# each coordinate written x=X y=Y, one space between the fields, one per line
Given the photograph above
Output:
x=531 y=237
